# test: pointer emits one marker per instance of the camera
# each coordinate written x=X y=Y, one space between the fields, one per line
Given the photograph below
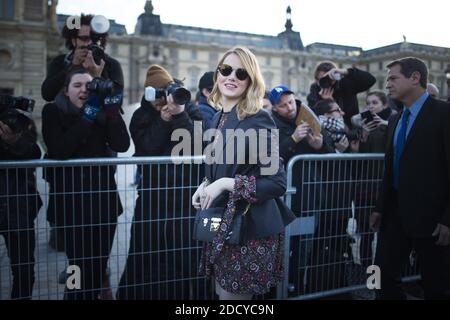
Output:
x=97 y=52
x=367 y=115
x=10 y=102
x=327 y=81
x=100 y=87
x=10 y=115
x=180 y=95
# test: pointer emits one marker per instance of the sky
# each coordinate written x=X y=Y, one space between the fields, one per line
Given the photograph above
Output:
x=365 y=24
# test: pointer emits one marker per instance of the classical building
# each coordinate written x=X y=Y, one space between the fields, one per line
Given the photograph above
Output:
x=29 y=39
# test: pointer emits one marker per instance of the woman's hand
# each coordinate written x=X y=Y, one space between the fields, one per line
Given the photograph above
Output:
x=342 y=144
x=197 y=194
x=212 y=191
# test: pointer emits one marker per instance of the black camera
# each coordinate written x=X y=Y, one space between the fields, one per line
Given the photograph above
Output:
x=325 y=82
x=100 y=87
x=97 y=53
x=10 y=115
x=10 y=102
x=180 y=95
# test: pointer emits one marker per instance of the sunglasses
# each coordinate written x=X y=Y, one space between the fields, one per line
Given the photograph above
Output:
x=226 y=70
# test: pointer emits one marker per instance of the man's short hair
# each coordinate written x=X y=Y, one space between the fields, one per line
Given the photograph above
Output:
x=69 y=34
x=323 y=66
x=323 y=106
x=411 y=64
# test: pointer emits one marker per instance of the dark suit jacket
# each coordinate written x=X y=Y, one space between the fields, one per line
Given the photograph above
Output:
x=269 y=215
x=424 y=185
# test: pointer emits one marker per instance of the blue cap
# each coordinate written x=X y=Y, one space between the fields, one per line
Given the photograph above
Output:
x=277 y=92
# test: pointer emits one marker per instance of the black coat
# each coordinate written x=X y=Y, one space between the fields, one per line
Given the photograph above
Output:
x=424 y=177
x=82 y=194
x=164 y=188
x=59 y=67
x=269 y=215
x=345 y=92
x=19 y=199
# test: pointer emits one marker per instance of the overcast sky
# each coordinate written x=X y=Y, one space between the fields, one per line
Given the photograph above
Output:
x=362 y=23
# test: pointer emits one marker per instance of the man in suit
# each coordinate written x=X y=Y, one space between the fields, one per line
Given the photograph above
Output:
x=414 y=207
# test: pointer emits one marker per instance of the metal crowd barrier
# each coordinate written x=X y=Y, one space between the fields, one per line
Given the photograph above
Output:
x=330 y=245
x=162 y=242
x=157 y=240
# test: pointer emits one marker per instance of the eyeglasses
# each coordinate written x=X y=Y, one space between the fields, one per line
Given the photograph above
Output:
x=226 y=70
x=84 y=38
x=335 y=110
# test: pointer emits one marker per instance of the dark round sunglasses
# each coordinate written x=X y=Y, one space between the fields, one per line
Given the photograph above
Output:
x=226 y=70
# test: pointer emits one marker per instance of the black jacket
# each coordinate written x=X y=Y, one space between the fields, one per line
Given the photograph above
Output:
x=424 y=177
x=269 y=215
x=82 y=194
x=207 y=111
x=19 y=200
x=345 y=92
x=164 y=189
x=57 y=72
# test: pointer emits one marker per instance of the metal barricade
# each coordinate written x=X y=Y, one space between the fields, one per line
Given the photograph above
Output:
x=138 y=243
x=126 y=221
x=330 y=245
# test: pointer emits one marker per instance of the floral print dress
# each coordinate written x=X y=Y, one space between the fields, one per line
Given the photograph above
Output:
x=252 y=268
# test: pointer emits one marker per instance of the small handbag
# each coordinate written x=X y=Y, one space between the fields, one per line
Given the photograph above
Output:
x=207 y=223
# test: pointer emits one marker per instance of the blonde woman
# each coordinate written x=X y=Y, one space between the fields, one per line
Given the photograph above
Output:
x=254 y=266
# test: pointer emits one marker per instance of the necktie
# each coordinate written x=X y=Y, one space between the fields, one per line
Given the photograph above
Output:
x=400 y=145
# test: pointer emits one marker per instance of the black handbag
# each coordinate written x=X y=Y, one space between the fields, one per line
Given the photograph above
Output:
x=207 y=223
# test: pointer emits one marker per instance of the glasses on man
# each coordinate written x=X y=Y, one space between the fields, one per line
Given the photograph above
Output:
x=335 y=110
x=226 y=70
x=84 y=38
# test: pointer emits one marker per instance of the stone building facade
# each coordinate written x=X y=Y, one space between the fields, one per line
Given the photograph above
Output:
x=29 y=39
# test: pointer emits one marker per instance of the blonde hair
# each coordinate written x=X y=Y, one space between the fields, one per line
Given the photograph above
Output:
x=251 y=101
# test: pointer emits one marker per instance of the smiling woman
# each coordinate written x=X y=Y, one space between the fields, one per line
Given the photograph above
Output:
x=254 y=265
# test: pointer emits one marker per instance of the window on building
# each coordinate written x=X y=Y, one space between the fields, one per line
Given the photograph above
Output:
x=194 y=54
x=193 y=78
x=114 y=49
x=7 y=91
x=6 y=9
x=380 y=65
x=34 y=10
x=268 y=60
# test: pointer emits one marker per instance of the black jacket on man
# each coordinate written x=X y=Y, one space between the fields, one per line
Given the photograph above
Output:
x=424 y=179
x=57 y=72
x=345 y=91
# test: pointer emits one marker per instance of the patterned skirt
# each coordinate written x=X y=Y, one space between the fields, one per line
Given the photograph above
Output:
x=249 y=269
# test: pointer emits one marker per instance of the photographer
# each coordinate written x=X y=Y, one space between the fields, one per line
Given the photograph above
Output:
x=337 y=135
x=84 y=122
x=87 y=51
x=20 y=201
x=160 y=243
x=372 y=123
x=342 y=85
